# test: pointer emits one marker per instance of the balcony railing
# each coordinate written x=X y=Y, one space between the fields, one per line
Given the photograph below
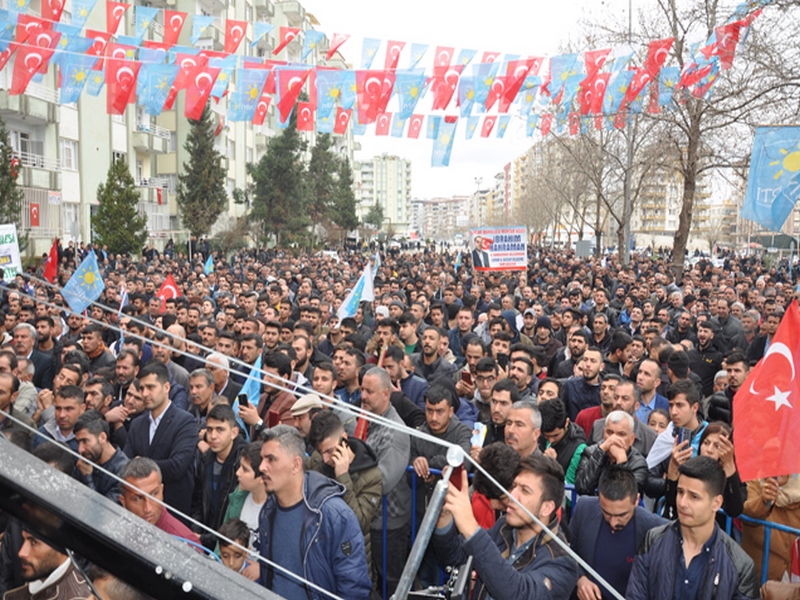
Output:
x=28 y=159
x=153 y=182
x=156 y=130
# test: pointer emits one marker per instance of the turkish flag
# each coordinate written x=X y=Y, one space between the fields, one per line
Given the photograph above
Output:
x=443 y=85
x=443 y=56
x=574 y=123
x=98 y=47
x=727 y=38
x=51 y=266
x=160 y=196
x=34 y=214
x=488 y=125
x=496 y=91
x=594 y=61
x=198 y=89
x=187 y=63
x=52 y=9
x=234 y=34
x=342 y=120
x=369 y=88
x=489 y=57
x=414 y=126
x=393 y=50
x=657 y=54
x=120 y=84
x=261 y=109
x=290 y=84
x=169 y=289
x=29 y=60
x=547 y=122
x=173 y=24
x=114 y=13
x=28 y=25
x=336 y=42
x=287 y=35
x=766 y=408
x=516 y=72
x=305 y=117
x=383 y=124
x=5 y=55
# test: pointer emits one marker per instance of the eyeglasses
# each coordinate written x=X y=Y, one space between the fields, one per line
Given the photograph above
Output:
x=488 y=379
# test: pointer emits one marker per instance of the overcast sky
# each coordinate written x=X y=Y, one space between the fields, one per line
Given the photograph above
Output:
x=527 y=28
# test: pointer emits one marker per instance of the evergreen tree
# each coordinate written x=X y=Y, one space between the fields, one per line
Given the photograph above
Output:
x=201 y=186
x=322 y=183
x=10 y=195
x=375 y=215
x=344 y=204
x=118 y=224
x=280 y=190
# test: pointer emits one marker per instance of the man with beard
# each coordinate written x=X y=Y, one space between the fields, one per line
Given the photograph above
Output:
x=577 y=343
x=540 y=567
x=615 y=523
x=92 y=434
x=48 y=573
x=583 y=392
x=428 y=363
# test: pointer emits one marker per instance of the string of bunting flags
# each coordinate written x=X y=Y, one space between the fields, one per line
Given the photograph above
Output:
x=569 y=93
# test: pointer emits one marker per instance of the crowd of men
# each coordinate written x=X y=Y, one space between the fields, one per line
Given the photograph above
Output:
x=578 y=371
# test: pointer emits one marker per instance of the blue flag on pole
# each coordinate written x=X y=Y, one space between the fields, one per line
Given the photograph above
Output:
x=85 y=285
x=252 y=389
x=209 y=266
x=773 y=184
x=363 y=290
x=457 y=264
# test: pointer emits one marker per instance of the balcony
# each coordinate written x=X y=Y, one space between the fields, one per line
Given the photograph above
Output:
x=38 y=171
x=149 y=188
x=294 y=12
x=149 y=138
x=264 y=8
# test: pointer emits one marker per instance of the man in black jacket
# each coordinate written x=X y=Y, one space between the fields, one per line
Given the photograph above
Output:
x=616 y=449
x=92 y=434
x=216 y=471
x=721 y=404
x=709 y=564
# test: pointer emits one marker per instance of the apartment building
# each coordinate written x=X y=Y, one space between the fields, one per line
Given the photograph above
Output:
x=65 y=150
x=385 y=180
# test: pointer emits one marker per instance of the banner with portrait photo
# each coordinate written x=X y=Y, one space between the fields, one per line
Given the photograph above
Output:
x=499 y=248
x=9 y=252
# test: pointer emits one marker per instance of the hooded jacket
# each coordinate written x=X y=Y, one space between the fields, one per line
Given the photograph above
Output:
x=331 y=542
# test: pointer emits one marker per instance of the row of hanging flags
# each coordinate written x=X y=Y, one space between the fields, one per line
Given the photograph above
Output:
x=569 y=93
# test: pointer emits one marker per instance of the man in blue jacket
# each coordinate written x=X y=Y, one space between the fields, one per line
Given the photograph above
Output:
x=306 y=527
x=607 y=530
x=516 y=558
x=692 y=558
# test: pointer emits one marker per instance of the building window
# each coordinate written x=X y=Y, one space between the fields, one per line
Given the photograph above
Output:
x=231 y=149
x=249 y=153
x=115 y=156
x=173 y=141
x=69 y=154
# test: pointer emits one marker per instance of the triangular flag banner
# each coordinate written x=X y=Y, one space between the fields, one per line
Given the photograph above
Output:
x=336 y=43
x=368 y=52
x=85 y=286
x=260 y=29
x=363 y=291
x=234 y=34
x=444 y=143
x=200 y=23
x=114 y=13
x=311 y=41
x=173 y=25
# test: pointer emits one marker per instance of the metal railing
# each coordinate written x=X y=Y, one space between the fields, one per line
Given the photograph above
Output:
x=28 y=159
x=768 y=527
x=150 y=127
x=153 y=182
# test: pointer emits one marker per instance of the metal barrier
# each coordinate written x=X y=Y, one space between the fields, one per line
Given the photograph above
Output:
x=768 y=527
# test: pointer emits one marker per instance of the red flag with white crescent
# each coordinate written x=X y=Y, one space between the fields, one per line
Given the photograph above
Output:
x=198 y=89
x=342 y=120
x=414 y=126
x=234 y=34
x=766 y=408
x=173 y=24
x=383 y=124
x=120 y=83
x=29 y=60
x=336 y=42
x=657 y=54
x=51 y=266
x=52 y=9
x=169 y=289
x=114 y=13
x=488 y=125
x=305 y=117
x=287 y=36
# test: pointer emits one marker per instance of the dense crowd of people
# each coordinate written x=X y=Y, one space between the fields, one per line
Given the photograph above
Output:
x=248 y=405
